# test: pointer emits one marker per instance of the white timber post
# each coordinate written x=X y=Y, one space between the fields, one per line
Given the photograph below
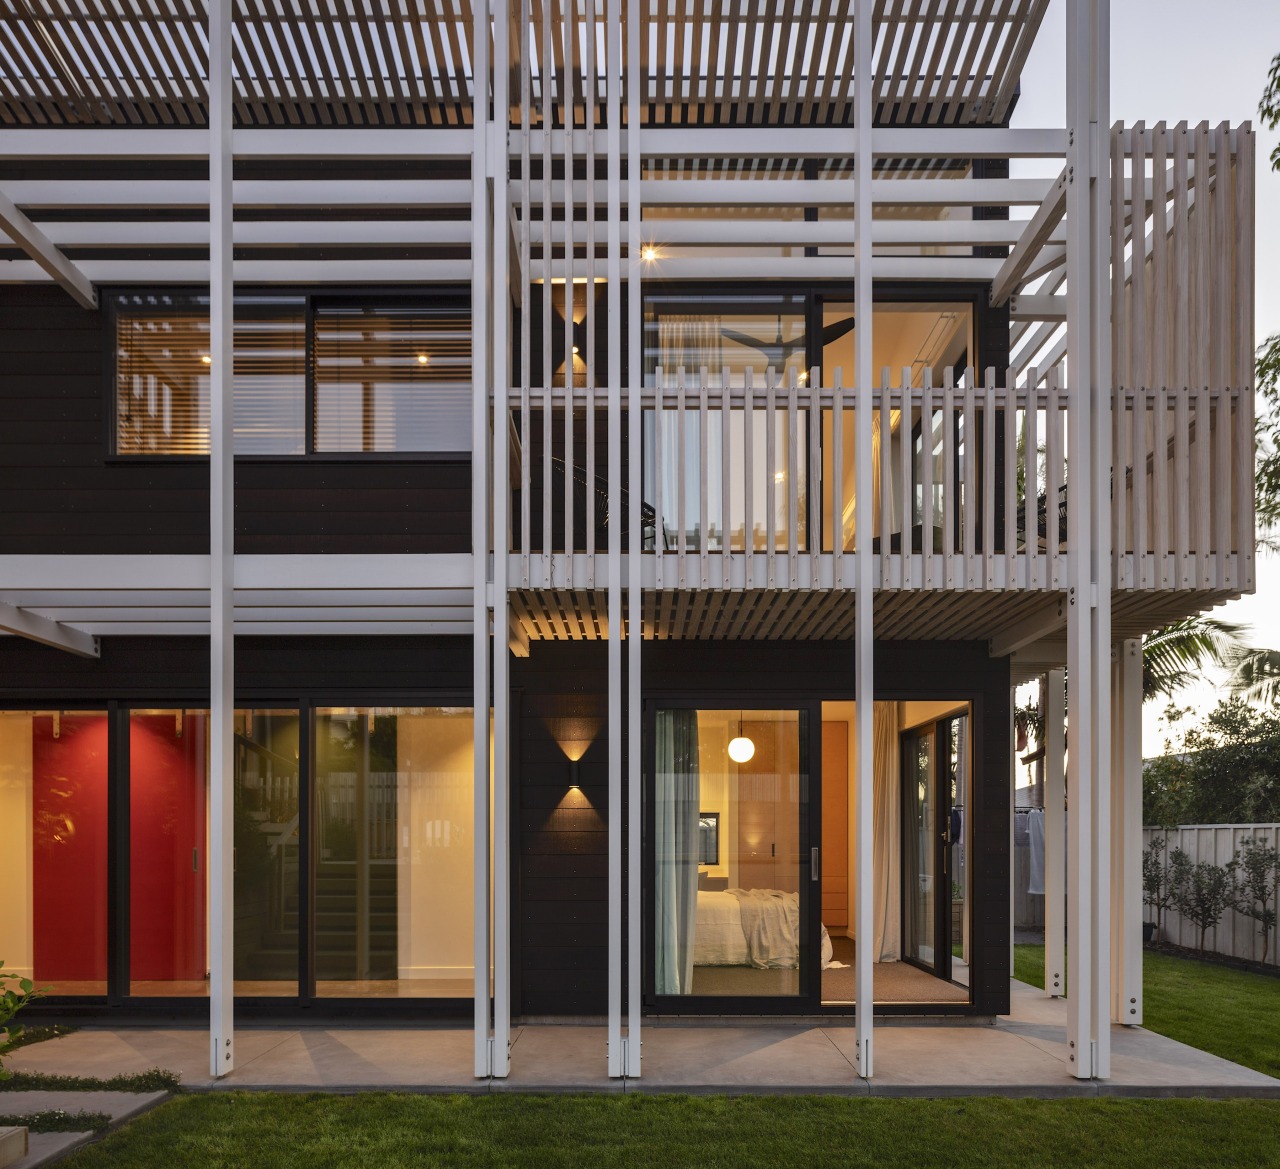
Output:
x=497 y=156
x=481 y=231
x=635 y=628
x=222 y=703
x=1013 y=806
x=1055 y=834
x=616 y=1057
x=1126 y=828
x=1088 y=536
x=864 y=633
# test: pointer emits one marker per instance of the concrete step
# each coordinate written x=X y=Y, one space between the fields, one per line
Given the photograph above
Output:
x=13 y=1146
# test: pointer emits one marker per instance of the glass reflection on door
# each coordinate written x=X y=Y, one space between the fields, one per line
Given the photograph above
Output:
x=919 y=860
x=168 y=854
x=394 y=849
x=728 y=799
x=267 y=852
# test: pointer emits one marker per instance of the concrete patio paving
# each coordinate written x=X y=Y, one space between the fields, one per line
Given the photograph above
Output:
x=1022 y=1054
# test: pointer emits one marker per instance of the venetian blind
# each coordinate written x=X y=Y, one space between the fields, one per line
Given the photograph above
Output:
x=162 y=376
x=393 y=378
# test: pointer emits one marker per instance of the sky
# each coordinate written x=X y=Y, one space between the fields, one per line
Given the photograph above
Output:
x=1170 y=60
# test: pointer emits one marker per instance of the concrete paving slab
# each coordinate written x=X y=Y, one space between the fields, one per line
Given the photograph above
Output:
x=341 y=1059
x=758 y=1057
x=559 y=1059
x=46 y=1147
x=119 y=1106
x=43 y=1148
x=104 y=1053
x=1024 y=1053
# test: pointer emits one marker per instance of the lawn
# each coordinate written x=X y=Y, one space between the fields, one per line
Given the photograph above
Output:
x=1230 y=1013
x=270 y=1131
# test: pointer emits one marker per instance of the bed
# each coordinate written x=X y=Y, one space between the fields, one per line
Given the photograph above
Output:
x=750 y=927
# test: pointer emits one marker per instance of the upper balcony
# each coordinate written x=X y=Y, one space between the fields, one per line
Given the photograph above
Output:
x=749 y=484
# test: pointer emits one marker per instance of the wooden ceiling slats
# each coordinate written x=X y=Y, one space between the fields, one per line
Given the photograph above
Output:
x=408 y=62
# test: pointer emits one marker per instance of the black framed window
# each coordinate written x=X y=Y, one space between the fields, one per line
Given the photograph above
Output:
x=312 y=375
x=392 y=378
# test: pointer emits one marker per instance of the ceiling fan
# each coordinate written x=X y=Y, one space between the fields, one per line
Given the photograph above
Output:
x=778 y=352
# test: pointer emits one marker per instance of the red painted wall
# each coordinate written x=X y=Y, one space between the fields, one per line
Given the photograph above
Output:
x=167 y=862
x=69 y=781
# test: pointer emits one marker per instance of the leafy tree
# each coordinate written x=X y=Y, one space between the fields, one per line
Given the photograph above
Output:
x=1225 y=771
x=1255 y=870
x=1202 y=895
x=1267 y=472
x=1268 y=368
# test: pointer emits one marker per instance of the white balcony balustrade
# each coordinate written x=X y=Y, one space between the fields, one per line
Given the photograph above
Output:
x=747 y=483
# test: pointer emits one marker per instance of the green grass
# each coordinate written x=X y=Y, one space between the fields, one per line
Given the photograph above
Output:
x=56 y=1120
x=1231 y=1013
x=602 y=1132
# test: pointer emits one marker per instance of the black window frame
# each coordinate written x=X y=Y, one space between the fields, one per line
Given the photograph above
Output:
x=110 y=298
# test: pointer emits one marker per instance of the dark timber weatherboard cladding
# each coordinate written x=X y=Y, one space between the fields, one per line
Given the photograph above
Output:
x=560 y=836
x=341 y=670
x=65 y=494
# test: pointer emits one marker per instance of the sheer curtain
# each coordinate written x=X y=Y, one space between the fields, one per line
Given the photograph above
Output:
x=690 y=343
x=887 y=887
x=676 y=800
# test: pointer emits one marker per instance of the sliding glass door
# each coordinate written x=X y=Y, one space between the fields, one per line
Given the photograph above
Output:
x=732 y=870
x=935 y=780
x=921 y=857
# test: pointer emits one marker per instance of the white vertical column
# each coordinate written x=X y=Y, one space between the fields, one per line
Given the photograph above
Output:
x=221 y=549
x=497 y=156
x=1126 y=837
x=1055 y=834
x=481 y=290
x=635 y=636
x=613 y=309
x=864 y=633
x=1100 y=514
x=1088 y=532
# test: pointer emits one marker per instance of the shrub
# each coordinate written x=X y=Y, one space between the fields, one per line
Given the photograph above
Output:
x=1160 y=875
x=1254 y=870
x=16 y=992
x=1202 y=894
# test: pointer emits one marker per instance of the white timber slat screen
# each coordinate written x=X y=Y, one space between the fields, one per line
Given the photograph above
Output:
x=1183 y=345
x=742 y=470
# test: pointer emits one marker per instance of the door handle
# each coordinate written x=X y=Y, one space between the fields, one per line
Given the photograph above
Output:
x=814 y=867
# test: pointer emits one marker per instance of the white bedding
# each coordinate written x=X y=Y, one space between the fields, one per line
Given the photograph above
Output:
x=720 y=940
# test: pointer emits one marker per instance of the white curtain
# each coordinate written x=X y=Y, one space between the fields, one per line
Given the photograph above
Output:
x=689 y=343
x=692 y=344
x=1035 y=848
x=676 y=800
x=886 y=856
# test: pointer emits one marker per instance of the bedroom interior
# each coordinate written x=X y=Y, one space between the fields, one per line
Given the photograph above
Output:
x=734 y=875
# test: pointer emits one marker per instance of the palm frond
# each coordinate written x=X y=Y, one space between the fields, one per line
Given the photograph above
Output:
x=1177 y=655
x=1255 y=676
